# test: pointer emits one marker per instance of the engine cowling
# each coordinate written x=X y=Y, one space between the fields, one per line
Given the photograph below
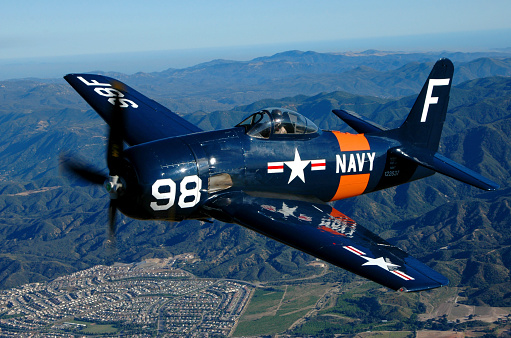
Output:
x=168 y=185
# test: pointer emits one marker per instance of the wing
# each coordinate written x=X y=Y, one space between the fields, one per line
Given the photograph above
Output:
x=324 y=232
x=145 y=119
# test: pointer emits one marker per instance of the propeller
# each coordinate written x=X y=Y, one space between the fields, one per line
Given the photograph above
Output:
x=115 y=159
x=114 y=183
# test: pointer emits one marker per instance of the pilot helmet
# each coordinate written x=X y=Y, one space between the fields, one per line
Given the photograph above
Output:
x=278 y=116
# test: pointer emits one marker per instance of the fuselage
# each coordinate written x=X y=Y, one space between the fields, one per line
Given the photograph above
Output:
x=177 y=175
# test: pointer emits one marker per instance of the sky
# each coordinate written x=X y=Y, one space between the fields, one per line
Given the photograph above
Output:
x=110 y=34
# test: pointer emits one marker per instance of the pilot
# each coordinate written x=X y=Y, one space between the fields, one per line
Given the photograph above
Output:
x=279 y=128
x=278 y=117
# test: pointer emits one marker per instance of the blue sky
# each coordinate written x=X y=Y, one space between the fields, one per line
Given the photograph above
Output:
x=52 y=31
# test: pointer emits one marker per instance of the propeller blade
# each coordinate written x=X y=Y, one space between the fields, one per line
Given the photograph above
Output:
x=115 y=162
x=79 y=169
x=116 y=139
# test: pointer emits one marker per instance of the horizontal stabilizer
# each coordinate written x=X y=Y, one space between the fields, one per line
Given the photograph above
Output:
x=358 y=123
x=447 y=167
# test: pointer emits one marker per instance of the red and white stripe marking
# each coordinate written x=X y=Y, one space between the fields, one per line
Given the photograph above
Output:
x=278 y=167
x=275 y=167
x=269 y=207
x=305 y=218
x=355 y=251
x=402 y=275
x=318 y=165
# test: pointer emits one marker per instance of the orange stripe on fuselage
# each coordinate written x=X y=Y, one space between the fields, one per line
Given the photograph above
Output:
x=351 y=185
x=351 y=142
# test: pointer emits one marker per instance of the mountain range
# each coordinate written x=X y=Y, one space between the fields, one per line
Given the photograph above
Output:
x=51 y=225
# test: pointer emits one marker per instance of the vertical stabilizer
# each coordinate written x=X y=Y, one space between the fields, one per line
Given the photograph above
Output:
x=423 y=126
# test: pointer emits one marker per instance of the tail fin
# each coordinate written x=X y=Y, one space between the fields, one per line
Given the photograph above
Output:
x=420 y=133
x=423 y=126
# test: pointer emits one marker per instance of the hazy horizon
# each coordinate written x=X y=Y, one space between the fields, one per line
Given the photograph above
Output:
x=156 y=61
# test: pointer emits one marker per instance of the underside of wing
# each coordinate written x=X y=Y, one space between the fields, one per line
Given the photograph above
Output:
x=145 y=119
x=322 y=231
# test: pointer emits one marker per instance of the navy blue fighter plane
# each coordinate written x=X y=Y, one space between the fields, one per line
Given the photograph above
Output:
x=274 y=172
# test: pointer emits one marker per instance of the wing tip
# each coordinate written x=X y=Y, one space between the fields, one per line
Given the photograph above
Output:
x=438 y=282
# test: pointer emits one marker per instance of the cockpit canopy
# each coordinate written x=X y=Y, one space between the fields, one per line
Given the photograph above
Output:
x=277 y=121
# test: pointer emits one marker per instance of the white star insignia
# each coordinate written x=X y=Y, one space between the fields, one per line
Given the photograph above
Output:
x=297 y=167
x=287 y=211
x=380 y=261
